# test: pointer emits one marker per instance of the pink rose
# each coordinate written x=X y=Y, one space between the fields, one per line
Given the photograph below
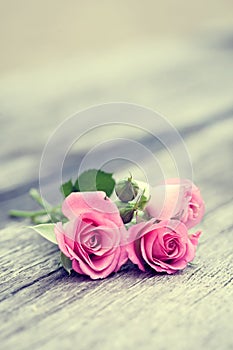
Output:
x=179 y=199
x=94 y=236
x=164 y=246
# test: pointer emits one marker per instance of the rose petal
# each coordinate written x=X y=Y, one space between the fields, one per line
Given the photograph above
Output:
x=134 y=254
x=167 y=201
x=195 y=237
x=62 y=239
x=91 y=202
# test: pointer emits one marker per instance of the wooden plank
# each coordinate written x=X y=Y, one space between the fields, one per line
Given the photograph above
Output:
x=43 y=308
x=187 y=81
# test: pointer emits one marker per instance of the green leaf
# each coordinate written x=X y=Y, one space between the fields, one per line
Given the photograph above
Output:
x=46 y=231
x=95 y=180
x=67 y=188
x=142 y=202
x=66 y=263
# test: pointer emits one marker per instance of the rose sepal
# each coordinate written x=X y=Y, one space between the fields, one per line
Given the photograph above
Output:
x=46 y=231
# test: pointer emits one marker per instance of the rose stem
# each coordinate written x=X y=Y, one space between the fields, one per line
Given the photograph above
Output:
x=26 y=214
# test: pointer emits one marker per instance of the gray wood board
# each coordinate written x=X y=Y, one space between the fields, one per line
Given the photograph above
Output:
x=42 y=307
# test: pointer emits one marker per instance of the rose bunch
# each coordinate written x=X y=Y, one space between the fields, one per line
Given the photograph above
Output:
x=97 y=235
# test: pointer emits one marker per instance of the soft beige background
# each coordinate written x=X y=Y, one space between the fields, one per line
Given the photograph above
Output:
x=56 y=53
x=34 y=32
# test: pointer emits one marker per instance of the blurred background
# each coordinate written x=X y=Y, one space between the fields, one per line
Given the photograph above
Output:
x=58 y=57
x=39 y=33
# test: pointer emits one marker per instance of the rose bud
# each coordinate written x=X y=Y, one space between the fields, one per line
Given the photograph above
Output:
x=127 y=214
x=126 y=190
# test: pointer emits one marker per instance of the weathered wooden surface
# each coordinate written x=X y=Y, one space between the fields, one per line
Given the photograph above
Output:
x=41 y=307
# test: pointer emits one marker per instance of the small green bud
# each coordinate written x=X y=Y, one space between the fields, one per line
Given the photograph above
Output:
x=126 y=190
x=126 y=214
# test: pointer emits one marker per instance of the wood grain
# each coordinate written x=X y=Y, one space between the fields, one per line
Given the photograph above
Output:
x=41 y=307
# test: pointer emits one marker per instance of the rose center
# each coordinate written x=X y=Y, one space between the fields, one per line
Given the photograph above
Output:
x=94 y=241
x=171 y=245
